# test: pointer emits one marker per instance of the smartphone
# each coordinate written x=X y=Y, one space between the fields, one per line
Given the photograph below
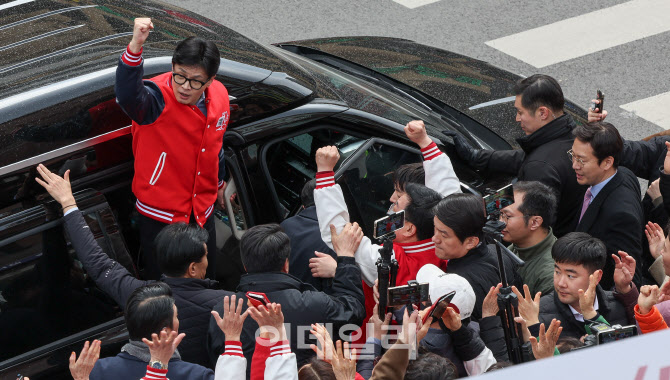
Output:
x=438 y=308
x=601 y=97
x=389 y=224
x=258 y=299
x=499 y=200
x=414 y=293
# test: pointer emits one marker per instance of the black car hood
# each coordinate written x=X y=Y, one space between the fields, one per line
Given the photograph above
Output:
x=475 y=88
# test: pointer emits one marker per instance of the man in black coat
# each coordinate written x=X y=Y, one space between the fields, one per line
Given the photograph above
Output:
x=459 y=219
x=579 y=259
x=611 y=210
x=539 y=103
x=265 y=253
x=303 y=230
x=182 y=259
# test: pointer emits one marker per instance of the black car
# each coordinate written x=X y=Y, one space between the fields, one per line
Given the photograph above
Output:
x=57 y=107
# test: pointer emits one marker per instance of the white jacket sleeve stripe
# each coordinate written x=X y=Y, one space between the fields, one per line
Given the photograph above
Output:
x=281 y=367
x=440 y=174
x=231 y=367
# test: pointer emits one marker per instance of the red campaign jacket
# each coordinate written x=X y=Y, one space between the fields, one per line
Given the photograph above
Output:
x=177 y=156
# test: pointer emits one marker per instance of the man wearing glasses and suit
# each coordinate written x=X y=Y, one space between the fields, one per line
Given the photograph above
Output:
x=179 y=119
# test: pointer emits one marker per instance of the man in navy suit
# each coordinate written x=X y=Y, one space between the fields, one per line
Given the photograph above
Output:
x=611 y=210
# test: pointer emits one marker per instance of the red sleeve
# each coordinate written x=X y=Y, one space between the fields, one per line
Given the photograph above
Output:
x=325 y=179
x=132 y=59
x=233 y=348
x=431 y=151
x=261 y=353
x=155 y=374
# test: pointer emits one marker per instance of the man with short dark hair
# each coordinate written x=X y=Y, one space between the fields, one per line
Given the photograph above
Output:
x=528 y=222
x=611 y=209
x=265 y=251
x=179 y=119
x=578 y=298
x=307 y=247
x=150 y=310
x=539 y=104
x=458 y=238
x=183 y=259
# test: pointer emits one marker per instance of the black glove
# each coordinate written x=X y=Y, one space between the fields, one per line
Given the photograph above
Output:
x=463 y=148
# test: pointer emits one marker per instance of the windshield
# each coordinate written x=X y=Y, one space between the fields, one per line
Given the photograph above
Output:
x=364 y=96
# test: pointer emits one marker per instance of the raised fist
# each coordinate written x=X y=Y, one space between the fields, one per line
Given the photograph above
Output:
x=416 y=131
x=140 y=33
x=326 y=158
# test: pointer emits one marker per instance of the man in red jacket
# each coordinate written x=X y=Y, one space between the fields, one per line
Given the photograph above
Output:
x=179 y=119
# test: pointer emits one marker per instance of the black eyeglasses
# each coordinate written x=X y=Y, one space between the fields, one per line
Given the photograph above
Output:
x=194 y=83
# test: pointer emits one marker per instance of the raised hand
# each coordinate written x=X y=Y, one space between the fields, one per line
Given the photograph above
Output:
x=656 y=239
x=344 y=362
x=81 y=368
x=233 y=319
x=326 y=158
x=588 y=297
x=545 y=344
x=379 y=326
x=59 y=188
x=529 y=308
x=624 y=270
x=416 y=131
x=325 y=349
x=649 y=296
x=665 y=292
x=323 y=265
x=140 y=33
x=595 y=114
x=271 y=321
x=490 y=304
x=654 y=190
x=163 y=346
x=452 y=319
x=346 y=242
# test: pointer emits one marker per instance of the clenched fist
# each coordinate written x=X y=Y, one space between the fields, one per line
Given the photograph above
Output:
x=140 y=33
x=326 y=158
x=416 y=131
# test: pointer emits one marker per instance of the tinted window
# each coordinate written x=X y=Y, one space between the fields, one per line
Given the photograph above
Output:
x=367 y=181
x=45 y=295
x=291 y=162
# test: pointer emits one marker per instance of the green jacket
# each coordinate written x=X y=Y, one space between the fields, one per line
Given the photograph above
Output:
x=538 y=273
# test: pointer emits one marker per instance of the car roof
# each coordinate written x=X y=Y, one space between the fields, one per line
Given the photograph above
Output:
x=44 y=42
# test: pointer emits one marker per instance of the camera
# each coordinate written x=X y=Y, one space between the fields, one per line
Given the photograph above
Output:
x=603 y=333
x=411 y=294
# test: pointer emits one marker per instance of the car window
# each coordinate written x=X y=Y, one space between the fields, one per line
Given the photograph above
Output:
x=367 y=179
x=45 y=294
x=291 y=162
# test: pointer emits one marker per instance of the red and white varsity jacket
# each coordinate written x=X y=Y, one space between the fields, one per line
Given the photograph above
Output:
x=176 y=157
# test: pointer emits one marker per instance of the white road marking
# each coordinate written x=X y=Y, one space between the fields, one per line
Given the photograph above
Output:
x=15 y=3
x=588 y=33
x=411 y=4
x=655 y=109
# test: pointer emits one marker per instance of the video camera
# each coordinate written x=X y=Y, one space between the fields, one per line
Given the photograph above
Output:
x=604 y=333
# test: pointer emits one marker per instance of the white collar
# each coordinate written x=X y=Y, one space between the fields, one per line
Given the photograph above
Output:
x=578 y=316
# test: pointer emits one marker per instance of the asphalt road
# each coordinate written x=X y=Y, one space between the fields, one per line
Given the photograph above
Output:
x=621 y=47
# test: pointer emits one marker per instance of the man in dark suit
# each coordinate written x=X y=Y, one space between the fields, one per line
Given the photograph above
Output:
x=307 y=246
x=611 y=211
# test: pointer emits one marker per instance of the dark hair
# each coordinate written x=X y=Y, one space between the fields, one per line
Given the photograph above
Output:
x=540 y=90
x=419 y=210
x=149 y=310
x=580 y=248
x=307 y=193
x=316 y=369
x=567 y=344
x=430 y=366
x=265 y=248
x=409 y=173
x=538 y=200
x=499 y=365
x=604 y=139
x=463 y=213
x=178 y=245
x=195 y=51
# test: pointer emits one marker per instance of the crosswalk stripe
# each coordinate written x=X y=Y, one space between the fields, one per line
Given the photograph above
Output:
x=588 y=33
x=411 y=4
x=655 y=109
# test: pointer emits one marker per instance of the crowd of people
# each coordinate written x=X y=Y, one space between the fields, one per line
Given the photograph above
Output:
x=577 y=221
